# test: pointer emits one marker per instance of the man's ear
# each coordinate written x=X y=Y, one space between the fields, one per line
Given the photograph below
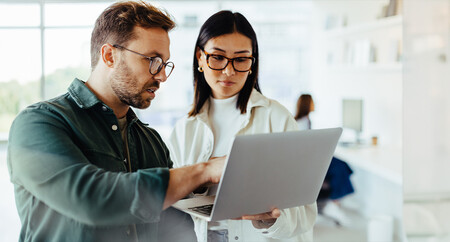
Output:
x=108 y=55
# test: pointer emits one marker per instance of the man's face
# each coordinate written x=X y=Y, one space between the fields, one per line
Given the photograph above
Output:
x=131 y=80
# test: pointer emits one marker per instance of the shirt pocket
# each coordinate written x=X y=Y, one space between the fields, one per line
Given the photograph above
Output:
x=104 y=160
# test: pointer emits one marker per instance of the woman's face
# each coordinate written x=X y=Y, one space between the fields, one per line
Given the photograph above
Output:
x=227 y=82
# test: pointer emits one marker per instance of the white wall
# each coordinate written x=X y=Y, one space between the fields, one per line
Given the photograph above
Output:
x=426 y=120
x=336 y=76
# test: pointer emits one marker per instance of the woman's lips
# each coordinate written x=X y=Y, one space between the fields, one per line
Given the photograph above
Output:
x=226 y=83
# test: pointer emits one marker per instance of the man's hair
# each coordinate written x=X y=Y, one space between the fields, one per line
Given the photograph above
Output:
x=116 y=23
x=222 y=23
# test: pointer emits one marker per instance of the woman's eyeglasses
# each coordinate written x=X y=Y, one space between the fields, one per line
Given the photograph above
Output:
x=220 y=62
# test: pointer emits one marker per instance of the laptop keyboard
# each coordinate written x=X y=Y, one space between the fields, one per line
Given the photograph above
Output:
x=205 y=209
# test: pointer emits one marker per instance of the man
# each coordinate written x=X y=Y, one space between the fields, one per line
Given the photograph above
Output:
x=85 y=168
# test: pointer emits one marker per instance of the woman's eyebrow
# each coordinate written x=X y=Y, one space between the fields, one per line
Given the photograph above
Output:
x=219 y=49
x=236 y=52
x=242 y=51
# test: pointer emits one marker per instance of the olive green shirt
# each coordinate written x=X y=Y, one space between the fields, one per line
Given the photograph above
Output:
x=67 y=163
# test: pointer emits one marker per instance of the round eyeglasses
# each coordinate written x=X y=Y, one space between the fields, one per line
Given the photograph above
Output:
x=156 y=62
x=220 y=62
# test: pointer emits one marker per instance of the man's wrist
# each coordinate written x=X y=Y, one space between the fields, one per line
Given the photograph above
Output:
x=263 y=224
x=202 y=173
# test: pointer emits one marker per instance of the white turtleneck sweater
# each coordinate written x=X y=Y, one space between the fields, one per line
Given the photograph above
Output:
x=226 y=120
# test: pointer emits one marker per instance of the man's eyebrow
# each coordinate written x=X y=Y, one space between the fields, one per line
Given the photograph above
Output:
x=155 y=53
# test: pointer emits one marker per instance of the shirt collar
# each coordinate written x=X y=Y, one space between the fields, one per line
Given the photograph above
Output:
x=256 y=99
x=82 y=95
x=85 y=98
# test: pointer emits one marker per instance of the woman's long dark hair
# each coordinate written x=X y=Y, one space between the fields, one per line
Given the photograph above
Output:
x=303 y=106
x=221 y=23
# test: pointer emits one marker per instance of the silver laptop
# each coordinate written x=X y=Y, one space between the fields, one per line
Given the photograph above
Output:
x=264 y=171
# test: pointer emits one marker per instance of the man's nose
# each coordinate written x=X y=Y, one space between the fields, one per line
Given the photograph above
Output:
x=161 y=75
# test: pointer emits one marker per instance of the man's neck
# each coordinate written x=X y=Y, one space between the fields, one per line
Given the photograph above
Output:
x=100 y=86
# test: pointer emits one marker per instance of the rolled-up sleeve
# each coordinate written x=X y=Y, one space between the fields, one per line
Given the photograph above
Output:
x=44 y=159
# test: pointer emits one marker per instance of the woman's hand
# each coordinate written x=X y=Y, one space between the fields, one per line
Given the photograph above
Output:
x=263 y=220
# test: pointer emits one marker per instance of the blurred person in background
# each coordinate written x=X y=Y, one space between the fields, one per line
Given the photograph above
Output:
x=305 y=105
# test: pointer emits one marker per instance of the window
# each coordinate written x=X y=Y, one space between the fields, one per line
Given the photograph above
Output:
x=20 y=66
x=42 y=54
x=20 y=15
x=66 y=56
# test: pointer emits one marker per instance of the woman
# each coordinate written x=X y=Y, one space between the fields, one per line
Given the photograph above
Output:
x=305 y=105
x=228 y=102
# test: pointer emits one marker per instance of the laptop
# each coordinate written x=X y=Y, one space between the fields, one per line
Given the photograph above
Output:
x=263 y=171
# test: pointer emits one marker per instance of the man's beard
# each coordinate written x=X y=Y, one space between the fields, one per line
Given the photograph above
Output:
x=126 y=88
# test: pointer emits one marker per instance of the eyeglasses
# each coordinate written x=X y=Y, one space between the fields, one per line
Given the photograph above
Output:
x=220 y=62
x=156 y=63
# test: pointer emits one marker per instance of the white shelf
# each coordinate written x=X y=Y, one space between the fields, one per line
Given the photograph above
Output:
x=431 y=197
x=365 y=28
x=373 y=67
x=353 y=48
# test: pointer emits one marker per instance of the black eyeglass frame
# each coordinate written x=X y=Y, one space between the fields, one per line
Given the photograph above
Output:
x=228 y=61
x=151 y=60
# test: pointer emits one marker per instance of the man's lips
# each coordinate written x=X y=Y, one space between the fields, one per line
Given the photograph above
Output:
x=151 y=91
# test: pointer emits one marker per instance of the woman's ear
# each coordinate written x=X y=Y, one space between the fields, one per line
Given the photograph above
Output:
x=198 y=54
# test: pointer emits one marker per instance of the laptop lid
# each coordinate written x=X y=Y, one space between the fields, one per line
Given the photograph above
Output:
x=280 y=170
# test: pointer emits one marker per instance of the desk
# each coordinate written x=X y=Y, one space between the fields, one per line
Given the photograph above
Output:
x=383 y=161
x=377 y=180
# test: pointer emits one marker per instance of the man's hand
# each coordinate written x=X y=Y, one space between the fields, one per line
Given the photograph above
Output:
x=214 y=168
x=263 y=220
x=185 y=180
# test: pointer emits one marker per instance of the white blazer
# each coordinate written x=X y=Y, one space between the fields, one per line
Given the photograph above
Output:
x=192 y=142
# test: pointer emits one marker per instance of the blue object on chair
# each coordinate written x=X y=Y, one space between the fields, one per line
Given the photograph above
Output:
x=338 y=177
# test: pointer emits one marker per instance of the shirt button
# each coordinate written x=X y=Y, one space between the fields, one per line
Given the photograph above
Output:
x=114 y=127
x=104 y=108
x=236 y=238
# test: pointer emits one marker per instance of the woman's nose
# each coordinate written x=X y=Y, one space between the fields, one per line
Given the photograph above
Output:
x=229 y=69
